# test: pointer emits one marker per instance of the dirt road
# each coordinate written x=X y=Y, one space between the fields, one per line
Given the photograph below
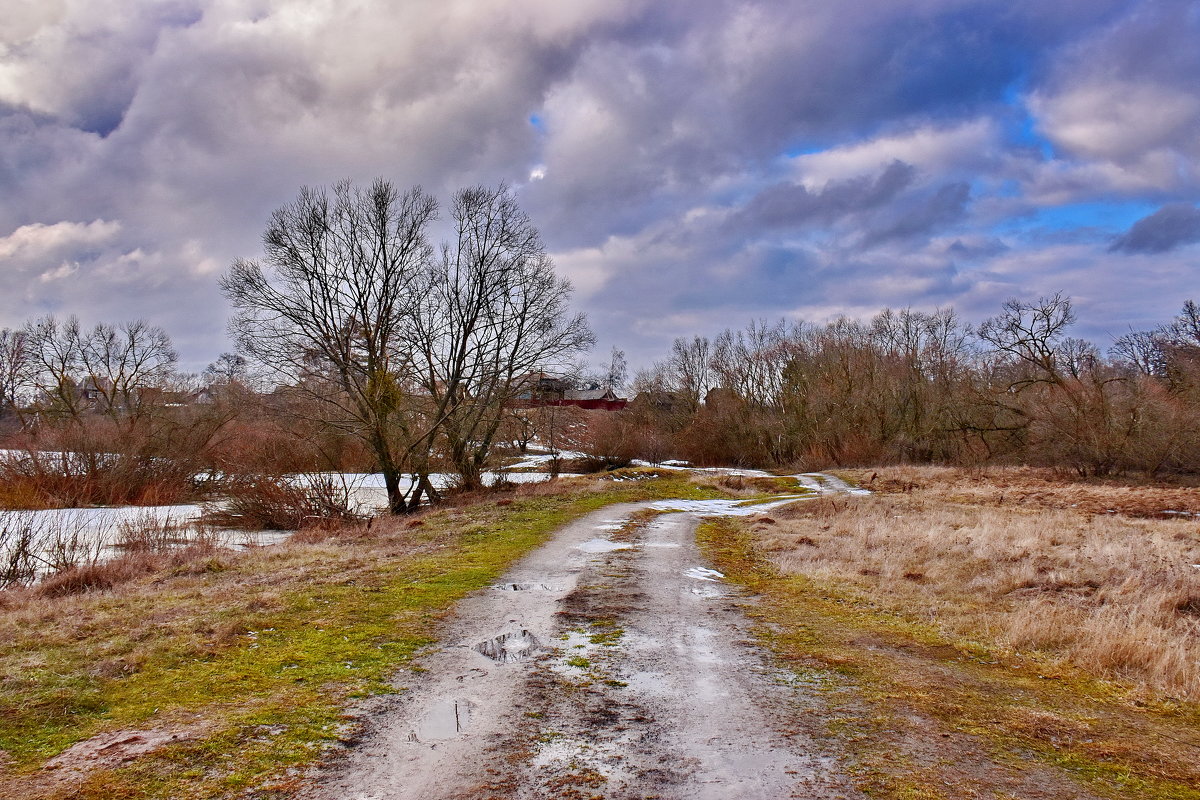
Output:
x=612 y=662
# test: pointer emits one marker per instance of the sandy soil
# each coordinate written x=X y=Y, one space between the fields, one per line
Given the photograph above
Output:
x=610 y=663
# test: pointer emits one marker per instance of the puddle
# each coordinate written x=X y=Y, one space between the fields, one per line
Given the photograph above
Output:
x=523 y=587
x=703 y=574
x=509 y=648
x=707 y=591
x=445 y=720
x=613 y=526
x=603 y=546
x=662 y=544
x=725 y=508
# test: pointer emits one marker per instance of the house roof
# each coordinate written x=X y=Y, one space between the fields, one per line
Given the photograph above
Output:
x=591 y=394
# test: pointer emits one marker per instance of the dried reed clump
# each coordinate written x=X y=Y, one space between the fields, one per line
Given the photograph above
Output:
x=272 y=502
x=40 y=480
x=1115 y=595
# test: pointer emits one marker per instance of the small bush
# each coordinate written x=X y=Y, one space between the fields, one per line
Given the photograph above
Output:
x=277 y=503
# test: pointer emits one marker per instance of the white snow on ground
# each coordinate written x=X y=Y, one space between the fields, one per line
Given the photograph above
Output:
x=535 y=460
x=824 y=483
x=101 y=519
x=704 y=574
x=683 y=466
x=368 y=491
x=725 y=508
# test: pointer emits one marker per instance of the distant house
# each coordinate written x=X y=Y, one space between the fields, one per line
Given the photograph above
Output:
x=539 y=389
x=594 y=397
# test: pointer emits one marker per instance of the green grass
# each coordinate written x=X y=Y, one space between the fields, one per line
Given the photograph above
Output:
x=262 y=656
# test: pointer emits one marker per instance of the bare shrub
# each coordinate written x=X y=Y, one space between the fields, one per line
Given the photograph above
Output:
x=273 y=502
x=33 y=544
x=147 y=532
x=88 y=476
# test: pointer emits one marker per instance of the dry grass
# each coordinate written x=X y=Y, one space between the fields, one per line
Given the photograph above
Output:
x=68 y=480
x=1116 y=595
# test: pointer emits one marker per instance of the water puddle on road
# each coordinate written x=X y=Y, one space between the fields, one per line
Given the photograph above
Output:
x=509 y=648
x=524 y=587
x=603 y=546
x=443 y=721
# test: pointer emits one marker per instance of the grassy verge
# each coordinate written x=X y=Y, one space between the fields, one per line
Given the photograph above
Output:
x=924 y=713
x=247 y=662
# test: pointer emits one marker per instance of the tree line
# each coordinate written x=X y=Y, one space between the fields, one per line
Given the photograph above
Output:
x=910 y=386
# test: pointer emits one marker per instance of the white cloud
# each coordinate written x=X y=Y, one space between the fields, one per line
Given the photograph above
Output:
x=31 y=243
x=932 y=149
x=1119 y=120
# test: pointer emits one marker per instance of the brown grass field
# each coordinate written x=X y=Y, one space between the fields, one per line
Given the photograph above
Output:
x=1093 y=573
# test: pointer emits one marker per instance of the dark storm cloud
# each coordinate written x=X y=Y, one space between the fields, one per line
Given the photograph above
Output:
x=686 y=161
x=791 y=205
x=1171 y=226
x=944 y=206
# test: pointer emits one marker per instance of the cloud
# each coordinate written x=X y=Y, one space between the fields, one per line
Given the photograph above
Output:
x=38 y=241
x=1122 y=101
x=1170 y=227
x=689 y=163
x=791 y=205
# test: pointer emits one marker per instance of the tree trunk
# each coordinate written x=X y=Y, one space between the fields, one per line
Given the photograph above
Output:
x=396 y=499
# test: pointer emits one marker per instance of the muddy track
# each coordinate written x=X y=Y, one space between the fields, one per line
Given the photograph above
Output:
x=610 y=663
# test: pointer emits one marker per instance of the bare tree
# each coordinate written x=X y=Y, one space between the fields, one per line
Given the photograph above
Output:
x=1028 y=334
x=228 y=368
x=331 y=309
x=617 y=371
x=15 y=369
x=415 y=352
x=126 y=366
x=494 y=313
x=689 y=369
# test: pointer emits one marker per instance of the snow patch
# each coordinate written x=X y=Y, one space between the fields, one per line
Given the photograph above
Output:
x=703 y=574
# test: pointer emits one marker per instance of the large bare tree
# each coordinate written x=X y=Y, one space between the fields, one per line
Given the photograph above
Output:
x=416 y=351
x=330 y=311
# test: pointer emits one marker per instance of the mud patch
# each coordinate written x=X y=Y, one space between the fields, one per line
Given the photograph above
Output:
x=508 y=648
x=110 y=750
x=445 y=720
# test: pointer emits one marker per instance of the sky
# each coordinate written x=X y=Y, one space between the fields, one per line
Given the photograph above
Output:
x=692 y=165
